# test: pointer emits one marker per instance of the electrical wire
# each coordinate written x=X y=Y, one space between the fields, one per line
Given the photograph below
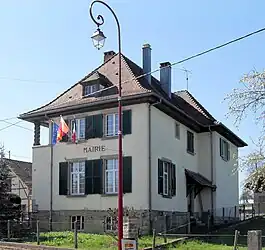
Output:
x=16 y=125
x=13 y=124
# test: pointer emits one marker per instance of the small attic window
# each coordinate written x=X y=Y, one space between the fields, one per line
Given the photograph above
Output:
x=91 y=88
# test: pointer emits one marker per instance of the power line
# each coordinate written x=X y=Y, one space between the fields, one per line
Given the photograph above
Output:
x=13 y=124
x=173 y=64
x=201 y=53
x=16 y=125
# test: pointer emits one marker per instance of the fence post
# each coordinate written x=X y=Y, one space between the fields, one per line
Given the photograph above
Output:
x=235 y=209
x=253 y=210
x=244 y=212
x=8 y=230
x=259 y=208
x=209 y=221
x=75 y=235
x=236 y=239
x=254 y=240
x=223 y=214
x=154 y=240
x=38 y=232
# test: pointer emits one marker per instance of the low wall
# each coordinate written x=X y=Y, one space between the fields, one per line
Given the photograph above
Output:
x=10 y=245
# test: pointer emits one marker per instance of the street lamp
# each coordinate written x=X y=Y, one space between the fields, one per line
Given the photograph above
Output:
x=98 y=40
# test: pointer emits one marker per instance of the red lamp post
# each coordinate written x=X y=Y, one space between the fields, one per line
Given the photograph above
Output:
x=98 y=40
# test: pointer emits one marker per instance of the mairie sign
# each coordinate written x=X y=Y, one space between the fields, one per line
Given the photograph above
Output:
x=92 y=149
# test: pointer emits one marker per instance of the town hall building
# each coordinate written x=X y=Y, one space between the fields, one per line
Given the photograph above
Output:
x=177 y=157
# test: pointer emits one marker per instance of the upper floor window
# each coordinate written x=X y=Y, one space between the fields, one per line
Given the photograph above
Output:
x=111 y=124
x=80 y=127
x=177 y=130
x=224 y=150
x=190 y=142
x=77 y=180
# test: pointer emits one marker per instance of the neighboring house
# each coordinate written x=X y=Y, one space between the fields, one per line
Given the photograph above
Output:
x=21 y=183
x=177 y=157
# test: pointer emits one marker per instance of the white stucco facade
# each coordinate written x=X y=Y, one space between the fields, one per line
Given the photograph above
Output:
x=164 y=144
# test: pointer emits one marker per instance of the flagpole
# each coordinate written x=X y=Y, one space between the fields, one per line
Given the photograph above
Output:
x=51 y=175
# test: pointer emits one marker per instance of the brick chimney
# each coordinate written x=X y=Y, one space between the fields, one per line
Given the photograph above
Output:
x=108 y=55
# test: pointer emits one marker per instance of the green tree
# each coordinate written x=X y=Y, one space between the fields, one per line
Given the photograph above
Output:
x=10 y=204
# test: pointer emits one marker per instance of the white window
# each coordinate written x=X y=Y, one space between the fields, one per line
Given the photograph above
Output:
x=89 y=89
x=110 y=223
x=166 y=180
x=111 y=176
x=80 y=127
x=111 y=124
x=224 y=150
x=77 y=175
x=79 y=222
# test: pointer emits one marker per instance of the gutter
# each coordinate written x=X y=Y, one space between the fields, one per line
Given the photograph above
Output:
x=212 y=164
x=150 y=165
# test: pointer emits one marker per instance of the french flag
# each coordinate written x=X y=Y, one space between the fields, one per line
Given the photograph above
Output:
x=74 y=133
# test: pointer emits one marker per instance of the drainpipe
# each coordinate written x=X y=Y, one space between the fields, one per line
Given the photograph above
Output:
x=212 y=164
x=150 y=166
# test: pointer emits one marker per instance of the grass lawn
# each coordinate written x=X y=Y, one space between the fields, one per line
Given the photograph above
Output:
x=198 y=245
x=89 y=241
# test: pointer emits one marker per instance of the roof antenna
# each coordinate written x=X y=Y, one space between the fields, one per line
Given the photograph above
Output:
x=187 y=77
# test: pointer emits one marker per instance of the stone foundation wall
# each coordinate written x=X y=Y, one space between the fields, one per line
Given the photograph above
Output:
x=94 y=220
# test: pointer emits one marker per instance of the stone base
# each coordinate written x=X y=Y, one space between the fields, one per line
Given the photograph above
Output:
x=94 y=220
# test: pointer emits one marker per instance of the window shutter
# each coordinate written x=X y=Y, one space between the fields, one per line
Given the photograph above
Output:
x=228 y=151
x=127 y=174
x=97 y=176
x=97 y=126
x=221 y=147
x=127 y=122
x=65 y=138
x=173 y=179
x=93 y=177
x=63 y=178
x=89 y=127
x=89 y=177
x=160 y=176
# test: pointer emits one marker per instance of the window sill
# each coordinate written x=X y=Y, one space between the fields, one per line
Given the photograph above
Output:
x=190 y=152
x=78 y=141
x=109 y=195
x=110 y=137
x=224 y=159
x=76 y=195
x=167 y=196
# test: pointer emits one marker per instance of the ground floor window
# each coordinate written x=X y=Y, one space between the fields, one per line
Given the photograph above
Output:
x=79 y=222
x=110 y=223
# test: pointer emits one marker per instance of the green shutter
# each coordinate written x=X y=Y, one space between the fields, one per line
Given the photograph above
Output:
x=173 y=179
x=63 y=178
x=221 y=146
x=127 y=174
x=89 y=127
x=93 y=177
x=89 y=177
x=97 y=176
x=97 y=126
x=65 y=138
x=127 y=122
x=160 y=176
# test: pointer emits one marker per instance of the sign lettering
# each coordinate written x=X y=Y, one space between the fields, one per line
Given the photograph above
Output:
x=93 y=149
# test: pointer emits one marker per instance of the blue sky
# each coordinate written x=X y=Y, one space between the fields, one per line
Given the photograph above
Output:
x=49 y=42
